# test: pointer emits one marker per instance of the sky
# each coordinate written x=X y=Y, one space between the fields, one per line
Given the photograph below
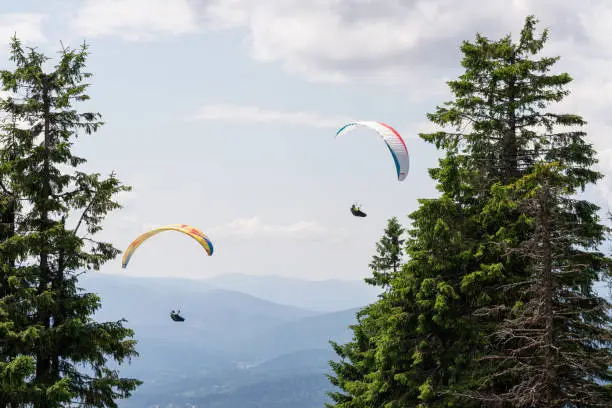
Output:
x=222 y=114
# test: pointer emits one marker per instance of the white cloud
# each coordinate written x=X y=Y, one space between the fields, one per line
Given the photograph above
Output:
x=135 y=20
x=255 y=228
x=240 y=113
x=412 y=45
x=389 y=41
x=413 y=42
x=27 y=26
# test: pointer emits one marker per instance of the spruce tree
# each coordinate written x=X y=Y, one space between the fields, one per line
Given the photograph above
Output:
x=54 y=240
x=388 y=260
x=556 y=339
x=562 y=287
x=7 y=231
x=428 y=338
x=358 y=356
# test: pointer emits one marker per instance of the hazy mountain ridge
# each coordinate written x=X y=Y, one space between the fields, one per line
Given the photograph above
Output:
x=325 y=295
x=303 y=334
x=308 y=360
x=234 y=349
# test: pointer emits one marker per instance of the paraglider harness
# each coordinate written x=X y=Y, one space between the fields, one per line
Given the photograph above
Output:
x=356 y=211
x=176 y=317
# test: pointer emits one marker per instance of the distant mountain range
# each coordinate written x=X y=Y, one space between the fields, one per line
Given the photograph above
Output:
x=235 y=349
x=322 y=296
x=327 y=295
x=239 y=346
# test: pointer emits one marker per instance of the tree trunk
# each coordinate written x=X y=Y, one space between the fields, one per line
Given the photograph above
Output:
x=43 y=360
x=547 y=295
x=58 y=287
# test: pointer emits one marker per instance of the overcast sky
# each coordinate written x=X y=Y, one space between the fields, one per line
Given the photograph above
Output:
x=222 y=114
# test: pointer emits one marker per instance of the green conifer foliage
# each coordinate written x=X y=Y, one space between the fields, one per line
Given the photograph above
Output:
x=55 y=353
x=432 y=335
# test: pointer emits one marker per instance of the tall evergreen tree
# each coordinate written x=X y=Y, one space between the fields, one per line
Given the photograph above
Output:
x=358 y=356
x=15 y=368
x=563 y=285
x=427 y=338
x=389 y=254
x=54 y=240
x=556 y=340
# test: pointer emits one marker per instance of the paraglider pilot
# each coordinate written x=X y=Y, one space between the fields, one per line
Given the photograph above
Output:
x=176 y=316
x=356 y=211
